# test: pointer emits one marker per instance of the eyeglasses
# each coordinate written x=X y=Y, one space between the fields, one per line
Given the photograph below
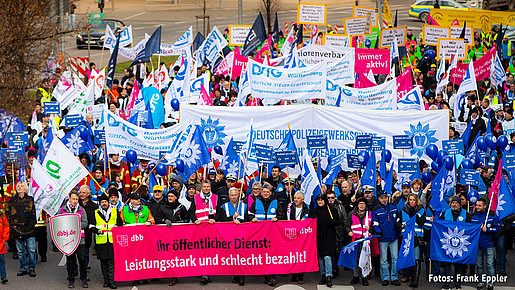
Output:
x=331 y=197
x=158 y=191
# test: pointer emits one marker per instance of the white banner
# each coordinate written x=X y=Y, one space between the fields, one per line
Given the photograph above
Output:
x=341 y=126
x=342 y=71
x=122 y=136
x=432 y=33
x=287 y=84
x=45 y=190
x=381 y=97
x=314 y=54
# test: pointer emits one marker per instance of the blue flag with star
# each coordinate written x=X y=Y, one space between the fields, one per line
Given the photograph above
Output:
x=505 y=200
x=74 y=141
x=406 y=256
x=231 y=161
x=442 y=189
x=349 y=253
x=195 y=155
x=152 y=46
x=455 y=242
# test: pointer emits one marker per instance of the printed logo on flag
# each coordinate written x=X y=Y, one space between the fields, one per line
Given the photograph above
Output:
x=122 y=240
x=290 y=233
x=455 y=242
x=422 y=137
x=212 y=131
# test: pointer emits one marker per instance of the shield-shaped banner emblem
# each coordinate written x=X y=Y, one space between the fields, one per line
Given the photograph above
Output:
x=65 y=229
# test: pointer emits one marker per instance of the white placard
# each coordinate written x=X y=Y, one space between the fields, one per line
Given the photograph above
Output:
x=309 y=13
x=358 y=11
x=469 y=33
x=356 y=25
x=336 y=40
x=387 y=36
x=447 y=47
x=432 y=33
x=238 y=34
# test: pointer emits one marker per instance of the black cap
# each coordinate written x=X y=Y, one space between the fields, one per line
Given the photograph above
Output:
x=174 y=192
x=112 y=192
x=135 y=196
x=102 y=197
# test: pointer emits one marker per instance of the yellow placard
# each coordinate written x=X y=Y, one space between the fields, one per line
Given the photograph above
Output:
x=237 y=34
x=358 y=11
x=311 y=13
x=479 y=19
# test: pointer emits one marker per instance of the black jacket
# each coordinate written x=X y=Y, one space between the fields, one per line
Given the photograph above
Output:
x=21 y=215
x=90 y=208
x=326 y=230
x=174 y=212
x=154 y=206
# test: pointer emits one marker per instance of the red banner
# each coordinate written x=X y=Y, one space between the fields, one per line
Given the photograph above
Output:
x=183 y=250
x=481 y=68
x=377 y=60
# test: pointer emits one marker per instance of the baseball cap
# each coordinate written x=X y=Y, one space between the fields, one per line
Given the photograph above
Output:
x=211 y=171
x=368 y=188
x=232 y=177
x=157 y=187
x=406 y=184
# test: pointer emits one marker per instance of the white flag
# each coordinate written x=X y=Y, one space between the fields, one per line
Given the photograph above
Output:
x=45 y=191
x=309 y=181
x=125 y=37
x=468 y=84
x=109 y=39
x=63 y=166
x=365 y=262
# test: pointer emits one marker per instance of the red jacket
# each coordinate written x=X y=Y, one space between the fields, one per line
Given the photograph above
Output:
x=4 y=232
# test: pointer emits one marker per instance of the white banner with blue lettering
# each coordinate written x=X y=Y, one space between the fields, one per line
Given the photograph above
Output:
x=268 y=82
x=220 y=124
x=381 y=97
x=342 y=71
x=122 y=136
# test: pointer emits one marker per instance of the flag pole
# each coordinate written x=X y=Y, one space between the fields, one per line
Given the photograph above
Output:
x=96 y=183
x=101 y=56
x=288 y=172
x=242 y=177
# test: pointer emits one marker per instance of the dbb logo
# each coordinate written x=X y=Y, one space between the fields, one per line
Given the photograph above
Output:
x=137 y=238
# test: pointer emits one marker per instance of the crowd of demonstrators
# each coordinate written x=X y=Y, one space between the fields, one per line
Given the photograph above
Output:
x=118 y=193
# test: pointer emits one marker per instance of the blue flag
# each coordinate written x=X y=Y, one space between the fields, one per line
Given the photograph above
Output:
x=370 y=173
x=333 y=168
x=154 y=99
x=349 y=254
x=406 y=257
x=195 y=154
x=256 y=36
x=473 y=149
x=197 y=42
x=275 y=32
x=389 y=180
x=151 y=182
x=466 y=136
x=152 y=46
x=9 y=122
x=382 y=167
x=231 y=161
x=44 y=143
x=75 y=143
x=505 y=200
x=455 y=242
x=112 y=65
x=442 y=188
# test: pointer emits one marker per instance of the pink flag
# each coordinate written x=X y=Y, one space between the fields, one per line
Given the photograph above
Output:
x=431 y=21
x=132 y=100
x=239 y=63
x=206 y=101
x=362 y=81
x=494 y=190
x=455 y=22
x=265 y=47
x=404 y=83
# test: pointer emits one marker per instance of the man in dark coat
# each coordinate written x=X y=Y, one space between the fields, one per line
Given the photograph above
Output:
x=90 y=207
x=105 y=219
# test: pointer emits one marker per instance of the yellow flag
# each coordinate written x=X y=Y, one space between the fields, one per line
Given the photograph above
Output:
x=387 y=13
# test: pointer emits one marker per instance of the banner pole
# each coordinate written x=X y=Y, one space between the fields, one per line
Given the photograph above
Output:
x=288 y=172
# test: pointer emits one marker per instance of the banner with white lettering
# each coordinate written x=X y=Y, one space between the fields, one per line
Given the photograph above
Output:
x=377 y=60
x=287 y=84
x=381 y=97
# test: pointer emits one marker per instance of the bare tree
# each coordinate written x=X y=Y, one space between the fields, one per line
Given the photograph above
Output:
x=268 y=9
x=28 y=35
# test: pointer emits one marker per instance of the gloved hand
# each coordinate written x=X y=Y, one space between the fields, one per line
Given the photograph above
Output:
x=168 y=223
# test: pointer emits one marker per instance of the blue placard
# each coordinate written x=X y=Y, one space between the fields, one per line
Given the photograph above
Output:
x=52 y=107
x=73 y=120
x=469 y=177
x=508 y=160
x=402 y=142
x=235 y=147
x=264 y=153
x=18 y=138
x=353 y=161
x=286 y=158
x=453 y=147
x=142 y=116
x=363 y=142
x=100 y=137
x=11 y=155
x=316 y=142
x=378 y=143
x=408 y=165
